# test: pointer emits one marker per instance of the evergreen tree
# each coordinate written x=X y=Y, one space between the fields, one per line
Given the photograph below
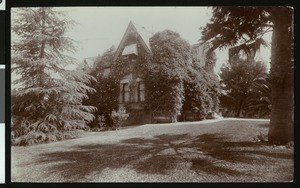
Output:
x=48 y=98
x=237 y=78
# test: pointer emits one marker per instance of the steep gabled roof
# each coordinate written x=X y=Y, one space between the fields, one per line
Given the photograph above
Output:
x=90 y=61
x=202 y=47
x=146 y=35
x=87 y=64
x=142 y=32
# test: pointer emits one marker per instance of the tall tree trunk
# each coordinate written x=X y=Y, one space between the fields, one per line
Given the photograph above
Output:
x=282 y=74
x=238 y=113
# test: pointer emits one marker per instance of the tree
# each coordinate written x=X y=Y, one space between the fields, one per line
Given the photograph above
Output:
x=176 y=82
x=243 y=27
x=107 y=88
x=172 y=57
x=48 y=99
x=202 y=88
x=237 y=78
x=259 y=102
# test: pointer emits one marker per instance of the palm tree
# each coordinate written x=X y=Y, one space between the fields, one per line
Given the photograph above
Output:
x=259 y=100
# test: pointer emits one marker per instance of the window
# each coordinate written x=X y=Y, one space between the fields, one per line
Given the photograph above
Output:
x=130 y=49
x=125 y=92
x=140 y=91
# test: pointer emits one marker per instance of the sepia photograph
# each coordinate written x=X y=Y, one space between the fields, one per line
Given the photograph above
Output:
x=152 y=94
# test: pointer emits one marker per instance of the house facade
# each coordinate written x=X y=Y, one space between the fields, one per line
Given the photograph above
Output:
x=134 y=43
x=132 y=47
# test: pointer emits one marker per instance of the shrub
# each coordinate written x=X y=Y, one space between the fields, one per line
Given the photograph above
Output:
x=290 y=145
x=118 y=117
x=36 y=137
x=261 y=138
x=101 y=124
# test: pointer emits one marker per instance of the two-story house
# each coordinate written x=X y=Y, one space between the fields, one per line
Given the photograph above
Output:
x=133 y=45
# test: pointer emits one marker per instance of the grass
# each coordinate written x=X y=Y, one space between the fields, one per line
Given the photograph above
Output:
x=207 y=151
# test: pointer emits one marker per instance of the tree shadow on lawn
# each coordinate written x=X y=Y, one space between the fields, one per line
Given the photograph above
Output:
x=159 y=156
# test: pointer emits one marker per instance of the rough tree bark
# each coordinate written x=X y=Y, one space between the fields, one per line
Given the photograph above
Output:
x=282 y=75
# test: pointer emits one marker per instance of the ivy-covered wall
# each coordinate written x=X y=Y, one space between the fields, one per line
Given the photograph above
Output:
x=173 y=81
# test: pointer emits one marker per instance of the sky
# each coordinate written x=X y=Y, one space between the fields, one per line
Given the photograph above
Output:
x=98 y=28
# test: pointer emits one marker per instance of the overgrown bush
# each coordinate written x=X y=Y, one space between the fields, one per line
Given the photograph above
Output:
x=260 y=138
x=176 y=81
x=290 y=145
x=118 y=117
x=36 y=137
x=107 y=91
x=101 y=124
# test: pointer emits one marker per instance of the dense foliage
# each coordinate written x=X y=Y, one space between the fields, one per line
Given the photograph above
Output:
x=171 y=56
x=119 y=117
x=107 y=90
x=259 y=101
x=243 y=28
x=176 y=82
x=231 y=26
x=47 y=98
x=202 y=94
x=237 y=79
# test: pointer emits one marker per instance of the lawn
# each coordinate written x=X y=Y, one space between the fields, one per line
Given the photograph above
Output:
x=208 y=151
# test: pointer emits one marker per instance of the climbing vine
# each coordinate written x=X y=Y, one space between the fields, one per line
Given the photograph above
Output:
x=173 y=81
